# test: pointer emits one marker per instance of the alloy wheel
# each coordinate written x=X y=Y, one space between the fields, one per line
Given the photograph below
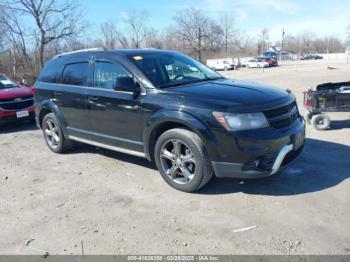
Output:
x=52 y=134
x=177 y=161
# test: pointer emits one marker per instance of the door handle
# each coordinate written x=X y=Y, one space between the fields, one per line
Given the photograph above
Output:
x=93 y=98
x=57 y=93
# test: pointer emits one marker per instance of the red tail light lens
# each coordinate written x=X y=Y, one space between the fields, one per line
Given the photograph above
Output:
x=33 y=90
x=308 y=101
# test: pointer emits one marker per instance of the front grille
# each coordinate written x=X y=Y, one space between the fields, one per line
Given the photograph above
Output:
x=282 y=117
x=13 y=105
x=14 y=99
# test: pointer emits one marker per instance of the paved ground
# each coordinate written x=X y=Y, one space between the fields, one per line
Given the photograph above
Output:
x=118 y=204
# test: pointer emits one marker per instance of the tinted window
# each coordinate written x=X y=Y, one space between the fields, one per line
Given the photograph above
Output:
x=76 y=74
x=106 y=73
x=51 y=73
x=171 y=69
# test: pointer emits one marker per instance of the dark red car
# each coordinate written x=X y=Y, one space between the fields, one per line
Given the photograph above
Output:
x=272 y=62
x=16 y=101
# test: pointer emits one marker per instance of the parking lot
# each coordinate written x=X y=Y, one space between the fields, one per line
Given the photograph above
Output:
x=102 y=202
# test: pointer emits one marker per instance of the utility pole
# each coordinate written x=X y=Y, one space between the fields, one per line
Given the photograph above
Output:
x=283 y=33
x=199 y=51
x=327 y=47
x=14 y=60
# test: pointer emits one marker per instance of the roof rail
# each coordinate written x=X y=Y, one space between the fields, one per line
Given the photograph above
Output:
x=80 y=51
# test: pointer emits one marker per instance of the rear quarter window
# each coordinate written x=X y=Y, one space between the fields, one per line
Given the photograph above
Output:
x=51 y=73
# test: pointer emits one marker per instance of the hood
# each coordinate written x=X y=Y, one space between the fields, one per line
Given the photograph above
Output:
x=232 y=91
x=15 y=92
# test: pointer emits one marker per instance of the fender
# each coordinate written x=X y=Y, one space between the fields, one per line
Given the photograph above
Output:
x=183 y=118
x=51 y=106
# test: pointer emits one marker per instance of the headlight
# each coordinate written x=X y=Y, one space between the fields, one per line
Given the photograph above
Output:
x=234 y=122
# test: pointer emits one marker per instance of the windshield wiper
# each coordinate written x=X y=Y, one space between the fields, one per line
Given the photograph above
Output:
x=172 y=85
x=192 y=82
x=215 y=78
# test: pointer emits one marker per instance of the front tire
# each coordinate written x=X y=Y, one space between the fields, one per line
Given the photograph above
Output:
x=53 y=135
x=182 y=160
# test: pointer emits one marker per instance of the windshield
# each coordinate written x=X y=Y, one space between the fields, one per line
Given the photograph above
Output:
x=6 y=83
x=172 y=69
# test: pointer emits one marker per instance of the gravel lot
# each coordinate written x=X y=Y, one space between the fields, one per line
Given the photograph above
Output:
x=118 y=204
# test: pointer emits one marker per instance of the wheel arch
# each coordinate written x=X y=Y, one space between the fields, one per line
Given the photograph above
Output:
x=166 y=120
x=47 y=107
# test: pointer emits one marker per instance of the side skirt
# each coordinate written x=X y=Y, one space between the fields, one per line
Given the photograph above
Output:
x=114 y=148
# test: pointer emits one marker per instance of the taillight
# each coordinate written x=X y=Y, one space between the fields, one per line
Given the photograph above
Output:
x=33 y=90
x=308 y=100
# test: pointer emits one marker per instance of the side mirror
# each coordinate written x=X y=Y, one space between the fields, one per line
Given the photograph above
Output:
x=125 y=83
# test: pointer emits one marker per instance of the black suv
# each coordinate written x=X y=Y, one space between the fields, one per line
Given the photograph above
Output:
x=171 y=109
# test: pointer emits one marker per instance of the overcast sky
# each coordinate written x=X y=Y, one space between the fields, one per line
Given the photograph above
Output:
x=321 y=17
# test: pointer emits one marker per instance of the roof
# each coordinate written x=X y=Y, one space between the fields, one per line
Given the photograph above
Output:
x=140 y=51
x=124 y=52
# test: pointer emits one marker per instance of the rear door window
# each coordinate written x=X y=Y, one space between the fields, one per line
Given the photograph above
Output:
x=76 y=74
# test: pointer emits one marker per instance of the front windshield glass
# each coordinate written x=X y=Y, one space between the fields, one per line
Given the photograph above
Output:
x=172 y=69
x=6 y=83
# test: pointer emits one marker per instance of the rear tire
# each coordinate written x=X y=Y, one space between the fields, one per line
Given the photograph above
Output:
x=182 y=160
x=321 y=121
x=53 y=135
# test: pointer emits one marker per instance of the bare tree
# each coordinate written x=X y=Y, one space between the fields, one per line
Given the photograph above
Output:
x=197 y=31
x=136 y=22
x=292 y=44
x=306 y=42
x=110 y=35
x=54 y=20
x=153 y=39
x=170 y=42
x=2 y=33
x=242 y=42
x=17 y=36
x=228 y=26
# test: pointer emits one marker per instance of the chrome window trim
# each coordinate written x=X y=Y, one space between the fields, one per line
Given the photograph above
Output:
x=98 y=89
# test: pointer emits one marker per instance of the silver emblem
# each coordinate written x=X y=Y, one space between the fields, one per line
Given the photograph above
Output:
x=18 y=99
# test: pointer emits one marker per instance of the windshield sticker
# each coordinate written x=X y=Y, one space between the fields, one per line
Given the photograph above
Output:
x=138 y=58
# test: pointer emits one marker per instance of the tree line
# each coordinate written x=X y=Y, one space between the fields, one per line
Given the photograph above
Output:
x=33 y=31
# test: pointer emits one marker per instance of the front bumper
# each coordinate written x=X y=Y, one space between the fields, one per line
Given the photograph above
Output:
x=284 y=158
x=256 y=157
x=10 y=116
